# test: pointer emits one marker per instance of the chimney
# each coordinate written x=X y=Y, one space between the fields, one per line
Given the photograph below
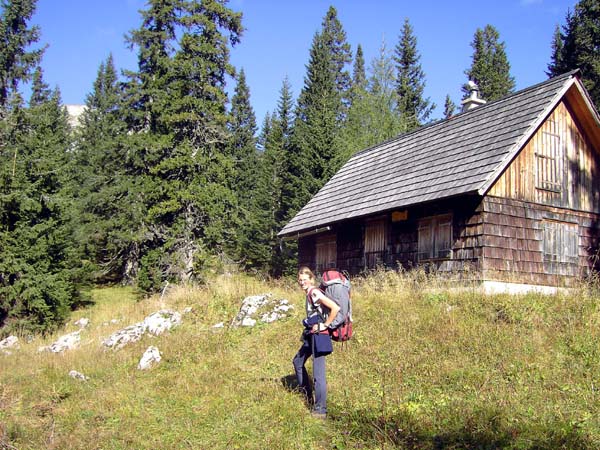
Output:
x=473 y=100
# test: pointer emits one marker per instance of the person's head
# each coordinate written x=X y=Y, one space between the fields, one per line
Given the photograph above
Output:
x=306 y=278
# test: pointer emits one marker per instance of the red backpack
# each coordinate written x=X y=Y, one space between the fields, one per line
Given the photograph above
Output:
x=336 y=285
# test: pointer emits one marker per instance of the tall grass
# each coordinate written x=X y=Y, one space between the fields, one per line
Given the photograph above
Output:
x=429 y=367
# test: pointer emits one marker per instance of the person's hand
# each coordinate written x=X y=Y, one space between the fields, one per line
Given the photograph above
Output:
x=319 y=327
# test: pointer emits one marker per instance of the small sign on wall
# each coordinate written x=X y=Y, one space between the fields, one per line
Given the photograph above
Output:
x=399 y=216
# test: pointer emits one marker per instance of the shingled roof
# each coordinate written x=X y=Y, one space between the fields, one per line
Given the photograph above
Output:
x=461 y=155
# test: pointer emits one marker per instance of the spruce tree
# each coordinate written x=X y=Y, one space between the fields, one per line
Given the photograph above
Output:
x=255 y=238
x=556 y=66
x=335 y=41
x=490 y=68
x=410 y=80
x=180 y=141
x=578 y=47
x=101 y=185
x=39 y=278
x=374 y=117
x=40 y=274
x=320 y=114
x=449 y=107
x=283 y=255
x=359 y=77
x=17 y=59
x=262 y=249
x=316 y=129
x=242 y=126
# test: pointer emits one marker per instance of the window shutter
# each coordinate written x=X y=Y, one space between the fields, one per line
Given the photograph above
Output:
x=326 y=257
x=375 y=243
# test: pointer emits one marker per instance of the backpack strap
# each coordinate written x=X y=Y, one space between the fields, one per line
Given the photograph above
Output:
x=316 y=308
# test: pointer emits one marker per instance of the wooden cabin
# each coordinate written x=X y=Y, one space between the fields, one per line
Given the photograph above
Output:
x=509 y=189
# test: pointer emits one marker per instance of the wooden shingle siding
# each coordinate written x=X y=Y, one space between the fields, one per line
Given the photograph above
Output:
x=557 y=167
x=518 y=246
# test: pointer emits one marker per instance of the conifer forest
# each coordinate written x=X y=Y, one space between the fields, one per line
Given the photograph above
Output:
x=168 y=177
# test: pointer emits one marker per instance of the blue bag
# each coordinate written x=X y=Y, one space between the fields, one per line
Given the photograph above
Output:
x=322 y=343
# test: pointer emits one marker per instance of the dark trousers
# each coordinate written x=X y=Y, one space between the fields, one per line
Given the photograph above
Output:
x=320 y=385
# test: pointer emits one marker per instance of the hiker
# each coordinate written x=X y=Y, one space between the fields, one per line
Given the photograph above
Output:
x=320 y=312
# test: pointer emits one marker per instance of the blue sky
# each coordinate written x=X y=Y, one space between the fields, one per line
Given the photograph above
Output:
x=278 y=35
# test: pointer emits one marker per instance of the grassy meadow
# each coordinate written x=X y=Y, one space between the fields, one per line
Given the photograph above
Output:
x=430 y=367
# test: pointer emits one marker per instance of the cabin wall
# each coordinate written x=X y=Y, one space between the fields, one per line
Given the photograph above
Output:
x=466 y=232
x=557 y=167
x=518 y=238
x=493 y=238
x=400 y=234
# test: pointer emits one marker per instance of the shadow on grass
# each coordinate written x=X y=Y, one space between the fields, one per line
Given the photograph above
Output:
x=484 y=429
x=290 y=383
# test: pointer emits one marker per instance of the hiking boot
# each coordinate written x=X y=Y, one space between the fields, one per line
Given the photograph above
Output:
x=319 y=415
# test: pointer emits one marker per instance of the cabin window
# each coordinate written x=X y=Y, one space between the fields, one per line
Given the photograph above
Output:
x=326 y=256
x=435 y=238
x=560 y=246
x=375 y=243
x=549 y=165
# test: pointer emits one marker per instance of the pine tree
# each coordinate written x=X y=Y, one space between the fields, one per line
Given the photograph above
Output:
x=490 y=68
x=410 y=80
x=578 y=47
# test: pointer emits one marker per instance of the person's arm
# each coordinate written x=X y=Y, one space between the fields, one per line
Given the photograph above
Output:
x=328 y=303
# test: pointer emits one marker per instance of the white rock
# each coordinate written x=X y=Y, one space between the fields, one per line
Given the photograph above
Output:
x=121 y=338
x=66 y=342
x=150 y=357
x=83 y=322
x=248 y=322
x=261 y=307
x=159 y=322
x=155 y=324
x=78 y=375
x=187 y=310
x=219 y=325
x=10 y=341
